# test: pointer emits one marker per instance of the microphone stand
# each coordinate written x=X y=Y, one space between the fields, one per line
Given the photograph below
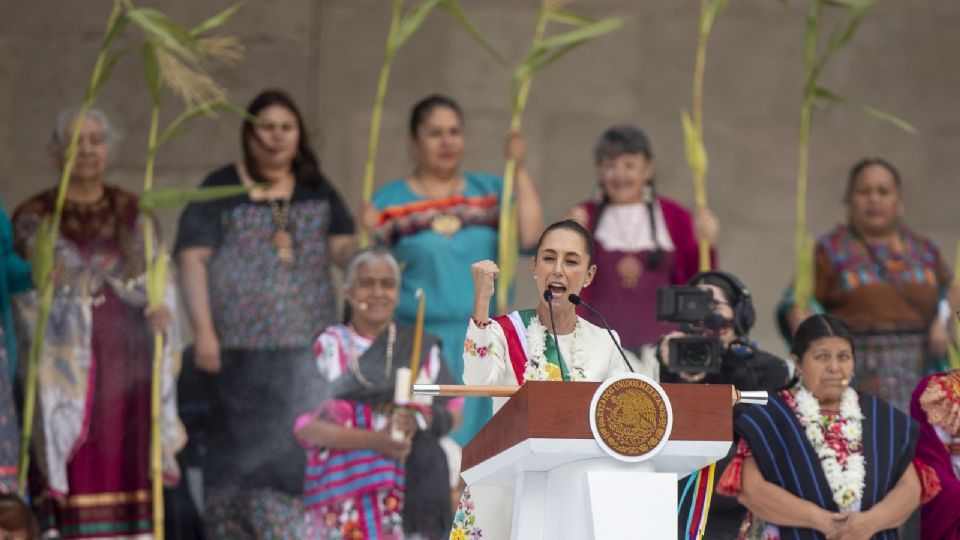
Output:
x=548 y=296
x=577 y=301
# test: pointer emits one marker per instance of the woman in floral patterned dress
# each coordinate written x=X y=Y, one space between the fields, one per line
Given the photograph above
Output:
x=255 y=274
x=821 y=460
x=518 y=347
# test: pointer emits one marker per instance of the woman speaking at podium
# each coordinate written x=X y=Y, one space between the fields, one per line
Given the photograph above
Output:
x=548 y=343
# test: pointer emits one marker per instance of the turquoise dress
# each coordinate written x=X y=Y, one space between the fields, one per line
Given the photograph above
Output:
x=436 y=258
x=14 y=278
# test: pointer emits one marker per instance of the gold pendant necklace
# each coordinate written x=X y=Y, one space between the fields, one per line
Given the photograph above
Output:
x=443 y=223
x=281 y=237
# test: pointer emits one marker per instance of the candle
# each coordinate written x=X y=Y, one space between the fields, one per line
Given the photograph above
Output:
x=401 y=392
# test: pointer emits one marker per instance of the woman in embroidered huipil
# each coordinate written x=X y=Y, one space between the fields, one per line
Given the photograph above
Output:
x=885 y=281
x=94 y=372
x=254 y=270
x=520 y=346
x=821 y=460
x=439 y=220
x=360 y=481
x=643 y=240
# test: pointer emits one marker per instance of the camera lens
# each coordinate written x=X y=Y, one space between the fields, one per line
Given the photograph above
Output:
x=696 y=355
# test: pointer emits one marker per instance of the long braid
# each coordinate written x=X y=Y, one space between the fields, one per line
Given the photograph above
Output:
x=655 y=258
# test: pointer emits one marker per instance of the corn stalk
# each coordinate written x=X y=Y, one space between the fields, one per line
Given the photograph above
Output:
x=402 y=27
x=814 y=62
x=693 y=128
x=172 y=55
x=46 y=239
x=543 y=52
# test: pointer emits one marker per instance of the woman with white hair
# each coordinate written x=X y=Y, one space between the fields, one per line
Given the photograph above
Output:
x=362 y=482
x=94 y=371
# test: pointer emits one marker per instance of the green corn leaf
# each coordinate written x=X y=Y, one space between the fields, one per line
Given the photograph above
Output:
x=552 y=49
x=693 y=146
x=456 y=11
x=565 y=17
x=175 y=198
x=877 y=114
x=165 y=32
x=840 y=39
x=116 y=28
x=179 y=124
x=151 y=72
x=538 y=59
x=412 y=20
x=582 y=34
x=100 y=76
x=216 y=21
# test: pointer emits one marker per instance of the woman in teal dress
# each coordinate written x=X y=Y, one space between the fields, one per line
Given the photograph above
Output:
x=439 y=220
x=14 y=278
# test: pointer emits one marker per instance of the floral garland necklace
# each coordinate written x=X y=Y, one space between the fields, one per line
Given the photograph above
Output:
x=536 y=368
x=846 y=481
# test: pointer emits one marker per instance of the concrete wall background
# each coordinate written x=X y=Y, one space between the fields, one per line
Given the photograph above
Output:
x=327 y=54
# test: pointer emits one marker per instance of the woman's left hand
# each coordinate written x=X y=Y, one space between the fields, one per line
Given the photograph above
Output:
x=853 y=526
x=938 y=338
x=516 y=146
x=706 y=225
x=159 y=317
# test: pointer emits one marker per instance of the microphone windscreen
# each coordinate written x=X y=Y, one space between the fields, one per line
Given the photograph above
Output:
x=574 y=299
x=548 y=295
x=714 y=321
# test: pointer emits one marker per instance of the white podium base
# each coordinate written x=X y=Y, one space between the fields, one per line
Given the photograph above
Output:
x=570 y=489
x=595 y=499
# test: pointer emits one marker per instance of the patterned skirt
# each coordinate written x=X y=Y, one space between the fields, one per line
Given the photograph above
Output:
x=889 y=365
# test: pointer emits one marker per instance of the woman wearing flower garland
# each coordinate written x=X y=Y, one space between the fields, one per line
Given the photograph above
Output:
x=518 y=347
x=820 y=460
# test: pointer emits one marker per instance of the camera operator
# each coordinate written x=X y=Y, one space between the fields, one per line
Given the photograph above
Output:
x=717 y=351
x=738 y=361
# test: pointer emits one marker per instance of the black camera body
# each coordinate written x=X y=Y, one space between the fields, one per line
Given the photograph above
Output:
x=693 y=308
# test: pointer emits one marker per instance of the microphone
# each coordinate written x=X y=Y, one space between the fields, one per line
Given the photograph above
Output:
x=548 y=296
x=577 y=301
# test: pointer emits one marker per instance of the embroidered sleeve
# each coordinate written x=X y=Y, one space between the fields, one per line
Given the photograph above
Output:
x=929 y=481
x=485 y=355
x=327 y=354
x=729 y=483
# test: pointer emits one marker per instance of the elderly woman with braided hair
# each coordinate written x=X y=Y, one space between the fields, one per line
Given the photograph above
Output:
x=643 y=240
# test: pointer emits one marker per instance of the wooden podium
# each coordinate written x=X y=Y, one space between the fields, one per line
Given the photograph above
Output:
x=538 y=454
